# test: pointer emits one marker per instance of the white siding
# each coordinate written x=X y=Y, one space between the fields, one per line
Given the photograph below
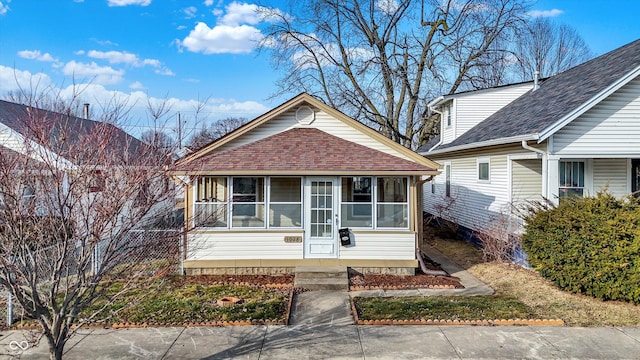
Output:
x=220 y=245
x=265 y=245
x=611 y=128
x=526 y=183
x=473 y=204
x=612 y=173
x=382 y=246
x=323 y=121
x=473 y=107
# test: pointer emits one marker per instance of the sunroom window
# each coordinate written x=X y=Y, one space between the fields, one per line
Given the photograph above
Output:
x=392 y=202
x=285 y=202
x=357 y=202
x=211 y=206
x=247 y=202
x=571 y=178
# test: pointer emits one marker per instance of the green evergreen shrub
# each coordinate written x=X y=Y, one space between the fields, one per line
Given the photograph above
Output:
x=588 y=245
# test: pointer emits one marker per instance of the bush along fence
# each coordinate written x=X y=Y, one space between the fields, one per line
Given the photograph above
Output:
x=142 y=253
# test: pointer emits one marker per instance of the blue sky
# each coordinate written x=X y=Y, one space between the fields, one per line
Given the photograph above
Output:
x=194 y=50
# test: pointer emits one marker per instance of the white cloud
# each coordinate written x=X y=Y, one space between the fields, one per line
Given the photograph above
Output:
x=235 y=31
x=222 y=39
x=128 y=2
x=208 y=2
x=387 y=6
x=13 y=79
x=137 y=85
x=103 y=75
x=191 y=11
x=4 y=7
x=123 y=57
x=36 y=55
x=545 y=13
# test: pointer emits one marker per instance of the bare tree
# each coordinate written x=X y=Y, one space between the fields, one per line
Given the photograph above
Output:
x=379 y=61
x=215 y=131
x=158 y=140
x=548 y=48
x=72 y=192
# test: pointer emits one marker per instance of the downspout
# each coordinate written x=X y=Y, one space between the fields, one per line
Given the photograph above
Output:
x=544 y=166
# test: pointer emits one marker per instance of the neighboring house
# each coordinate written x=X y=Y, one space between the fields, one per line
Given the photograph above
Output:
x=274 y=194
x=575 y=133
x=39 y=143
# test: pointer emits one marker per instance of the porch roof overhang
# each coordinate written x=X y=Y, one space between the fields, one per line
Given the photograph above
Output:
x=301 y=151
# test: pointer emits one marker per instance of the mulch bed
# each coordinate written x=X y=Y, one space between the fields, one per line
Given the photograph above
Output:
x=358 y=281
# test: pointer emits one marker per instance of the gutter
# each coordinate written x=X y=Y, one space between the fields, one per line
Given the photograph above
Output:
x=501 y=141
x=432 y=107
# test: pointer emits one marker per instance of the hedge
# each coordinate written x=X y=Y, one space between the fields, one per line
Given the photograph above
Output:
x=588 y=245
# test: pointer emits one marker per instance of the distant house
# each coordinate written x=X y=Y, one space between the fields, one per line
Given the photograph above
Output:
x=303 y=184
x=572 y=134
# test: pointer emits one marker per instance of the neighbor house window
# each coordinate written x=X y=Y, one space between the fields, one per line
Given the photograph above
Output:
x=392 y=202
x=211 y=202
x=571 y=178
x=483 y=169
x=247 y=202
x=447 y=180
x=447 y=112
x=285 y=202
x=97 y=181
x=357 y=202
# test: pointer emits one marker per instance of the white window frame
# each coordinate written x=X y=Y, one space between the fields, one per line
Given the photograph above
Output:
x=480 y=161
x=448 y=115
x=225 y=203
x=269 y=203
x=375 y=202
x=447 y=178
x=562 y=163
x=256 y=203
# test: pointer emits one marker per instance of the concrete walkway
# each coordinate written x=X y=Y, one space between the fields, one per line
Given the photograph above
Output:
x=324 y=341
x=321 y=327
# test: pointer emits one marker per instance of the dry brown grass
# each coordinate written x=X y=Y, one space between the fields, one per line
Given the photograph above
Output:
x=531 y=289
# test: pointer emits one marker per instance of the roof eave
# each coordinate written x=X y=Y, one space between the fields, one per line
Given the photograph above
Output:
x=494 y=142
x=305 y=173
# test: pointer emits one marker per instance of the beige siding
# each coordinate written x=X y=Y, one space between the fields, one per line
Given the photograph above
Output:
x=612 y=173
x=473 y=107
x=222 y=245
x=323 y=121
x=382 y=246
x=612 y=127
x=526 y=183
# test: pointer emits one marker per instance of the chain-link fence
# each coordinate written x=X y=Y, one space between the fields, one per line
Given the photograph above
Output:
x=141 y=253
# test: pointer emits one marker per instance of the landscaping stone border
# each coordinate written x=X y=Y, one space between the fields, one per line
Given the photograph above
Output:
x=400 y=287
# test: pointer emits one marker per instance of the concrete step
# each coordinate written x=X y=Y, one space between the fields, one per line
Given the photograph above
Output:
x=322 y=278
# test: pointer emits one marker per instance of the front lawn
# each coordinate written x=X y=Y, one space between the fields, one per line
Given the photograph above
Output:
x=443 y=308
x=531 y=289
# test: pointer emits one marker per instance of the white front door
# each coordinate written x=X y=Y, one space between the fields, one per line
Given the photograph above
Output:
x=321 y=197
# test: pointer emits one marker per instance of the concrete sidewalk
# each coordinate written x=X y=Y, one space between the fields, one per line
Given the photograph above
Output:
x=322 y=341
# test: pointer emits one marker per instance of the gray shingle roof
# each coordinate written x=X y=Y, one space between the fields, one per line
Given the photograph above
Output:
x=31 y=123
x=557 y=96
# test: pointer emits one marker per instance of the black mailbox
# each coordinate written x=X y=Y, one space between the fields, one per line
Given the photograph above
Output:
x=345 y=237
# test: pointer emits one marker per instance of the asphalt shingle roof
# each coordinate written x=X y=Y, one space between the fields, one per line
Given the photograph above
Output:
x=556 y=97
x=64 y=130
x=299 y=150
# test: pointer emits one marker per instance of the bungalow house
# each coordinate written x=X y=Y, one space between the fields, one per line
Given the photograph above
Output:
x=302 y=184
x=572 y=134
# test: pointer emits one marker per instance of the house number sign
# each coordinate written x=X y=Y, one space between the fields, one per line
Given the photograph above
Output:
x=293 y=239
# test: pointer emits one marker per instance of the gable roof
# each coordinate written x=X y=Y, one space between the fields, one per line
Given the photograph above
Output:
x=299 y=150
x=305 y=150
x=64 y=131
x=561 y=98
